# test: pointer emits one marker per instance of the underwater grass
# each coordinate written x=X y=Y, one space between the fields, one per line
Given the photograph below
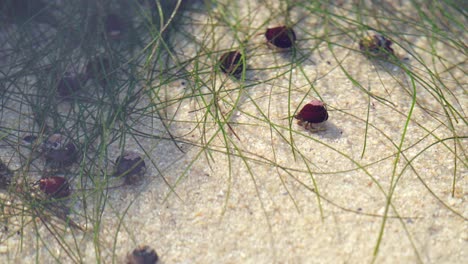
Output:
x=166 y=97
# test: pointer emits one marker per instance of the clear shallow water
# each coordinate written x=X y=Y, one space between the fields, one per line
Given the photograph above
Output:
x=263 y=189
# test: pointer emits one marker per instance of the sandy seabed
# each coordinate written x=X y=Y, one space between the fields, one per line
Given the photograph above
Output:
x=263 y=189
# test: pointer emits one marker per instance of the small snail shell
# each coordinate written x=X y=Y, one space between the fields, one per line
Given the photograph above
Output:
x=142 y=255
x=131 y=166
x=55 y=187
x=313 y=115
x=281 y=37
x=231 y=63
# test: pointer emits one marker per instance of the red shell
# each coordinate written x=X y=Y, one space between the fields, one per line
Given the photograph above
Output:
x=282 y=37
x=313 y=112
x=55 y=186
x=231 y=62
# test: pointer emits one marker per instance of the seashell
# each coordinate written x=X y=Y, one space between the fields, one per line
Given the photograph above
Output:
x=281 y=37
x=142 y=255
x=59 y=151
x=68 y=85
x=231 y=63
x=131 y=166
x=376 y=45
x=313 y=115
x=55 y=187
x=114 y=26
x=99 y=69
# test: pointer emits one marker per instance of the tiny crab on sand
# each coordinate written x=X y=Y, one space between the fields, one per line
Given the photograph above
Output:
x=281 y=37
x=376 y=45
x=313 y=116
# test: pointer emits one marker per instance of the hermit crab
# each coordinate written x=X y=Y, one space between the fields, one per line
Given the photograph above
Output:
x=59 y=150
x=376 y=45
x=69 y=84
x=281 y=37
x=231 y=63
x=55 y=187
x=114 y=26
x=6 y=176
x=131 y=166
x=142 y=255
x=99 y=68
x=313 y=116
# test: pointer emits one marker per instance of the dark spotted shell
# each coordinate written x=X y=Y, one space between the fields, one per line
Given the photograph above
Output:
x=59 y=150
x=231 y=62
x=55 y=186
x=142 y=255
x=313 y=112
x=376 y=45
x=282 y=37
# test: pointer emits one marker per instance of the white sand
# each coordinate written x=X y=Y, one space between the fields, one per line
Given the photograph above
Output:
x=251 y=200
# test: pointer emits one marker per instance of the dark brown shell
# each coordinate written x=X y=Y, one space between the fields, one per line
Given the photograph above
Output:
x=131 y=166
x=29 y=139
x=68 y=84
x=99 y=68
x=6 y=176
x=59 y=151
x=282 y=37
x=114 y=26
x=142 y=255
x=231 y=62
x=55 y=187
x=313 y=112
